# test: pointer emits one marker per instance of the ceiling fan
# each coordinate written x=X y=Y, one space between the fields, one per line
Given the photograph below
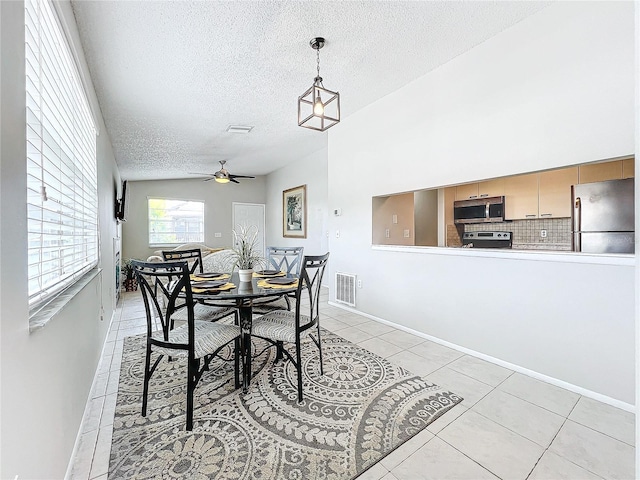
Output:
x=223 y=176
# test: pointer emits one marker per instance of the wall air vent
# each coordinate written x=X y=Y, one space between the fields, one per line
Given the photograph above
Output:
x=346 y=288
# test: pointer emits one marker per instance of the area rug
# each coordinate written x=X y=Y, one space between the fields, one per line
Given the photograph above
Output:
x=360 y=410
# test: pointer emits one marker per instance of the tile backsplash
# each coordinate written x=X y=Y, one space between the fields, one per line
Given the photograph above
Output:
x=526 y=233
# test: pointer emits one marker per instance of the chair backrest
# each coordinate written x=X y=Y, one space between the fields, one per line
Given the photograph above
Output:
x=165 y=288
x=310 y=282
x=193 y=256
x=286 y=259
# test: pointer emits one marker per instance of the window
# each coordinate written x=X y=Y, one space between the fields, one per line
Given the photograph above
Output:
x=175 y=221
x=62 y=199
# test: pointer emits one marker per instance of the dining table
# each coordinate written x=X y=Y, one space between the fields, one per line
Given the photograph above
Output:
x=243 y=295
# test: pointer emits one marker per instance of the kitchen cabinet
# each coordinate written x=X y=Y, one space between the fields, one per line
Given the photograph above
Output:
x=554 y=192
x=599 y=172
x=628 y=168
x=491 y=188
x=488 y=188
x=467 y=191
x=521 y=197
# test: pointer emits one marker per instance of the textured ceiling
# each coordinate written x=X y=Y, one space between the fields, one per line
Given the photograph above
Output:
x=171 y=76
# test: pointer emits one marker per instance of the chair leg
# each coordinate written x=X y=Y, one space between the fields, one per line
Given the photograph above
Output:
x=147 y=376
x=247 y=363
x=236 y=361
x=192 y=368
x=299 y=367
x=320 y=349
x=279 y=354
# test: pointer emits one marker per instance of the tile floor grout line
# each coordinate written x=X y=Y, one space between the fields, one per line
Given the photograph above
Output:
x=513 y=431
x=465 y=455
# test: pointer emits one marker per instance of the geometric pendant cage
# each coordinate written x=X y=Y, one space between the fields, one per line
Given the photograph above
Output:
x=318 y=107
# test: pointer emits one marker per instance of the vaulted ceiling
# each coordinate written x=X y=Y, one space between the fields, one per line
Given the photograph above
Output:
x=171 y=76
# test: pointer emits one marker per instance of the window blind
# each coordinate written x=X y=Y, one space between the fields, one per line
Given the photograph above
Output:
x=62 y=194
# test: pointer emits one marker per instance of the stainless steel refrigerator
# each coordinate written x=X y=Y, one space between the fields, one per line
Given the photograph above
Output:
x=603 y=217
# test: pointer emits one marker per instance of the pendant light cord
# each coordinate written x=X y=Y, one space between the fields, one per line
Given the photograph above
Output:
x=318 y=79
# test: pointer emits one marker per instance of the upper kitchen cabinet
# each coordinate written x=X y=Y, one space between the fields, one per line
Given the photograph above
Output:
x=603 y=171
x=554 y=198
x=521 y=197
x=491 y=188
x=600 y=172
x=628 y=168
x=488 y=188
x=467 y=191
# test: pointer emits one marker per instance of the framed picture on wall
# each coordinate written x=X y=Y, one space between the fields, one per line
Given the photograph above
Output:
x=294 y=212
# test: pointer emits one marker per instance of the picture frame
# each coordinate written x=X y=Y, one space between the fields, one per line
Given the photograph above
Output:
x=294 y=212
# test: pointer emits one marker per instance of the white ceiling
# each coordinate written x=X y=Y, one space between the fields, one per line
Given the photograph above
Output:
x=172 y=75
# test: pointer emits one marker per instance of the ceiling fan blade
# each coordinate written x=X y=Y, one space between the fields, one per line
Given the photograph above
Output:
x=240 y=176
x=209 y=179
x=233 y=180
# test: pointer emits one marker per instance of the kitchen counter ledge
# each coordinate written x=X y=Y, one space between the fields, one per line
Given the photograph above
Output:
x=511 y=254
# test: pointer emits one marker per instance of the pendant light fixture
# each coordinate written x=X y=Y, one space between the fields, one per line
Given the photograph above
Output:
x=318 y=108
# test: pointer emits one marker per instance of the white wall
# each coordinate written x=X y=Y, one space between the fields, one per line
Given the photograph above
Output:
x=46 y=375
x=218 y=199
x=312 y=172
x=556 y=89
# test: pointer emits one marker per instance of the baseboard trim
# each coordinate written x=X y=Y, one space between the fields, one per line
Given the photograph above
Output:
x=516 y=368
x=76 y=444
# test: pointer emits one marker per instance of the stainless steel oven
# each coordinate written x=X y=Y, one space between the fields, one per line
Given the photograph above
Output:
x=487 y=239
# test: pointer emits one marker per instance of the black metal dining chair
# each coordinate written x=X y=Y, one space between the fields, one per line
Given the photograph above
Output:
x=283 y=259
x=166 y=289
x=204 y=312
x=282 y=327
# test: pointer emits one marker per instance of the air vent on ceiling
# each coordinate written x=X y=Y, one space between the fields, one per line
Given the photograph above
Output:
x=239 y=128
x=346 y=288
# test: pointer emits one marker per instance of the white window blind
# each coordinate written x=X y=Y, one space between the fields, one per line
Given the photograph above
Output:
x=175 y=221
x=62 y=200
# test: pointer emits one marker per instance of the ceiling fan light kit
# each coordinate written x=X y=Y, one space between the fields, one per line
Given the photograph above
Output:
x=222 y=175
x=318 y=107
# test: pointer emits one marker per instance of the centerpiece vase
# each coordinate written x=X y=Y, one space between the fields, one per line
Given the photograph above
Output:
x=245 y=274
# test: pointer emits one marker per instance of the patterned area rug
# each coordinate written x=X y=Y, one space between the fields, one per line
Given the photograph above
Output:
x=360 y=410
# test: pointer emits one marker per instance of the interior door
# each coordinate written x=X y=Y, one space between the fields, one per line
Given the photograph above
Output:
x=248 y=214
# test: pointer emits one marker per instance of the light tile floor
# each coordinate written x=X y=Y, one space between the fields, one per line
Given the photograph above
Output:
x=509 y=426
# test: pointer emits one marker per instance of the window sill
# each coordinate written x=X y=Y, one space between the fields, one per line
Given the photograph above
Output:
x=39 y=318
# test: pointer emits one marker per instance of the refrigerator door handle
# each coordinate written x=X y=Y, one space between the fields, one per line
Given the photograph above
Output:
x=577 y=225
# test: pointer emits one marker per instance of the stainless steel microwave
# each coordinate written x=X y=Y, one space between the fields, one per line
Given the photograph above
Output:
x=480 y=210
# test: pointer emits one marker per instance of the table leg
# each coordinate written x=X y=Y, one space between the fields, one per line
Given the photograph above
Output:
x=245 y=312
